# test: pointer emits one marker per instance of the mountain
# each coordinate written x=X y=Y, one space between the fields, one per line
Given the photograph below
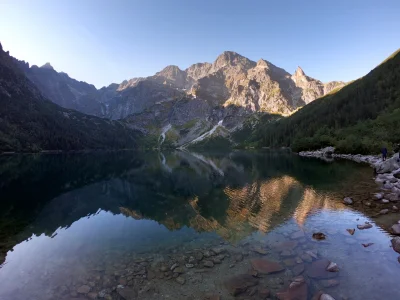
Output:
x=29 y=122
x=230 y=79
x=185 y=107
x=60 y=88
x=362 y=117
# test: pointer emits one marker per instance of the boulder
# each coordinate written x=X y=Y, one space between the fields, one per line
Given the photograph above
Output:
x=395 y=229
x=393 y=197
x=263 y=266
x=348 y=201
x=378 y=196
x=396 y=244
x=384 y=211
x=387 y=166
x=240 y=283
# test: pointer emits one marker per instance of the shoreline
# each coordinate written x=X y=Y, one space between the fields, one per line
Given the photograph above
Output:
x=387 y=177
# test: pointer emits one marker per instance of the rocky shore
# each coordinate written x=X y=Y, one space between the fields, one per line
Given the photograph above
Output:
x=387 y=177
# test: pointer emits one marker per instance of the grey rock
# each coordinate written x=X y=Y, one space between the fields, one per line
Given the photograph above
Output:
x=208 y=264
x=384 y=211
x=348 y=201
x=364 y=226
x=395 y=229
x=332 y=267
x=396 y=244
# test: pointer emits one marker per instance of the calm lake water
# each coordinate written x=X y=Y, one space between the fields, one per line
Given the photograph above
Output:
x=111 y=225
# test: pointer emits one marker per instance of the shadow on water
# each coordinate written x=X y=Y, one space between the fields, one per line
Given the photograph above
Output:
x=82 y=206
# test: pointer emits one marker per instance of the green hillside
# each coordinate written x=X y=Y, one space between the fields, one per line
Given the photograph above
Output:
x=361 y=117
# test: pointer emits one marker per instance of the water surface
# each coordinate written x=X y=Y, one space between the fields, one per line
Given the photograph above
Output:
x=80 y=225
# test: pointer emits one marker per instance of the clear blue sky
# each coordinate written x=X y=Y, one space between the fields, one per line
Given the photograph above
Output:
x=101 y=42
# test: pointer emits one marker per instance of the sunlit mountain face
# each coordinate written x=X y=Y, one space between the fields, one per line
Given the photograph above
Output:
x=106 y=219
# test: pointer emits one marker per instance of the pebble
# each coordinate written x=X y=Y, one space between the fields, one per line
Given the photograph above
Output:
x=189 y=266
x=173 y=267
x=384 y=211
x=384 y=201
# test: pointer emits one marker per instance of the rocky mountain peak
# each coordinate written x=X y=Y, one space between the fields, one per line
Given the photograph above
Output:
x=47 y=66
x=230 y=58
x=299 y=72
x=169 y=71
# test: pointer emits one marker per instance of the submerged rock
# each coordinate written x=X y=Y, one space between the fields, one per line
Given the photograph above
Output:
x=264 y=266
x=319 y=236
x=364 y=226
x=351 y=231
x=318 y=270
x=367 y=245
x=240 y=283
x=84 y=289
x=297 y=290
x=329 y=283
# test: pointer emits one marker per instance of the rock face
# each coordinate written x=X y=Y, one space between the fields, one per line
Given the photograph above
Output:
x=60 y=88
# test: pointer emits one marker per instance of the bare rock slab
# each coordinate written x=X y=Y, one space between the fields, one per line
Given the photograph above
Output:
x=264 y=266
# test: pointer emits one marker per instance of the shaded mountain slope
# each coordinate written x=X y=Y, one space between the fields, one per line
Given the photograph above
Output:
x=29 y=122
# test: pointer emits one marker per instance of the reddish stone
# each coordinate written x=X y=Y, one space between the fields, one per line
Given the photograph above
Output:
x=263 y=266
x=240 y=283
x=297 y=290
x=264 y=293
x=318 y=270
x=329 y=283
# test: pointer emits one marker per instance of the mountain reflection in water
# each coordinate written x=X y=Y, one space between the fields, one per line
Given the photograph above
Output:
x=72 y=207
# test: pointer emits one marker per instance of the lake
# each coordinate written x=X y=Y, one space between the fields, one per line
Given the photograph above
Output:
x=186 y=225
